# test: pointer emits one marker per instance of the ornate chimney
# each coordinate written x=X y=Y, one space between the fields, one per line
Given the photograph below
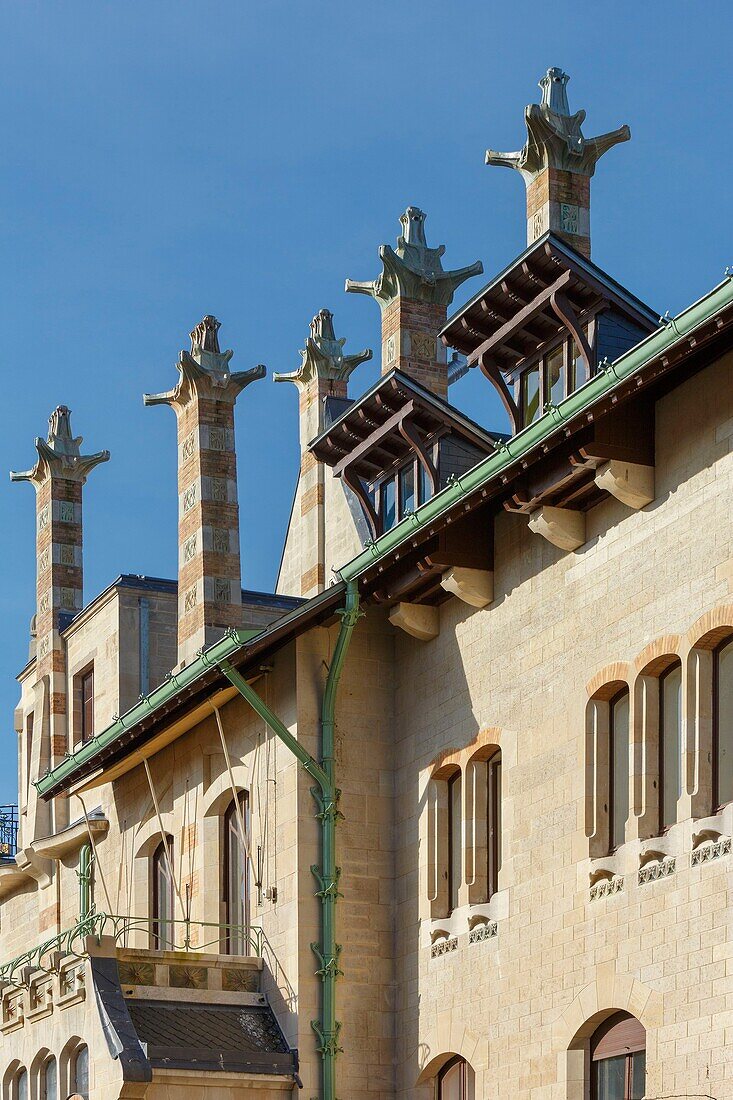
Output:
x=324 y=372
x=209 y=570
x=557 y=164
x=413 y=293
x=58 y=477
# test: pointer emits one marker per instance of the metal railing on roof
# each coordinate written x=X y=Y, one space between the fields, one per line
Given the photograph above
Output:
x=8 y=831
x=138 y=933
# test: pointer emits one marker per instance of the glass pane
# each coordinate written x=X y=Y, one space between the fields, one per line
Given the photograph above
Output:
x=620 y=769
x=610 y=1079
x=671 y=746
x=530 y=395
x=494 y=821
x=407 y=490
x=163 y=914
x=238 y=884
x=456 y=846
x=48 y=1083
x=426 y=489
x=388 y=504
x=638 y=1075
x=554 y=380
x=578 y=371
x=451 y=1085
x=80 y=1082
x=724 y=762
x=21 y=1085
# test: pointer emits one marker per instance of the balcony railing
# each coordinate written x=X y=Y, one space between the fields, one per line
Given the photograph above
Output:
x=8 y=831
x=136 y=932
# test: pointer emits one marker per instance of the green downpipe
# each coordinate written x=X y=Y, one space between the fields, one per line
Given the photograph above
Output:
x=326 y=795
x=85 y=881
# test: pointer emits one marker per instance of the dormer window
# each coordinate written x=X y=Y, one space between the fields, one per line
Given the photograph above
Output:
x=396 y=447
x=556 y=375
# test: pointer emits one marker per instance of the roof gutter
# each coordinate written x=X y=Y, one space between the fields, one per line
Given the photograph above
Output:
x=505 y=455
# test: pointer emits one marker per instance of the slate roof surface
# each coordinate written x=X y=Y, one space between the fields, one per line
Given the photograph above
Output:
x=224 y=1036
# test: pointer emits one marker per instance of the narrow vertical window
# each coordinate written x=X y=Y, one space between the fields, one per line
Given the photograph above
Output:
x=452 y=1083
x=48 y=1089
x=618 y=1059
x=619 y=769
x=455 y=840
x=555 y=375
x=578 y=368
x=530 y=395
x=236 y=878
x=86 y=685
x=163 y=938
x=388 y=503
x=21 y=1085
x=80 y=1073
x=426 y=487
x=407 y=490
x=493 y=811
x=670 y=745
x=723 y=725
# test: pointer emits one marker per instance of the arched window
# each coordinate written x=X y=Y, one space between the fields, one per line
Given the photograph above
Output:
x=163 y=901
x=618 y=804
x=48 y=1084
x=236 y=877
x=723 y=724
x=455 y=840
x=618 y=1059
x=19 y=1085
x=79 y=1079
x=670 y=744
x=493 y=822
x=453 y=1080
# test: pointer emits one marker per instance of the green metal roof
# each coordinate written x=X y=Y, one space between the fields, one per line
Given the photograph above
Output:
x=506 y=455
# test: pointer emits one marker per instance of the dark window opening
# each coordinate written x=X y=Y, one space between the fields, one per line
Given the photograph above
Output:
x=618 y=796
x=670 y=745
x=163 y=902
x=618 y=1059
x=493 y=813
x=723 y=725
x=236 y=878
x=455 y=840
x=86 y=687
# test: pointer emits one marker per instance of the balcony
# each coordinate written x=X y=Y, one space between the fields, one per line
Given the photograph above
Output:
x=8 y=832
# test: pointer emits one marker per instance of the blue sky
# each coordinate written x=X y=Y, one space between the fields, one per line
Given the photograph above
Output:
x=163 y=160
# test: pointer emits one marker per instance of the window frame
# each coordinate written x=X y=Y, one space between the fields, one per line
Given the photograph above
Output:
x=717 y=804
x=43 y=1093
x=229 y=819
x=86 y=706
x=494 y=778
x=618 y=1020
x=162 y=940
x=455 y=779
x=674 y=666
x=443 y=1072
x=81 y=1050
x=612 y=703
x=539 y=363
x=394 y=476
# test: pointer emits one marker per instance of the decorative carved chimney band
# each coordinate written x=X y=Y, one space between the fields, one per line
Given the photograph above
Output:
x=58 y=478
x=413 y=293
x=209 y=570
x=557 y=163
x=324 y=372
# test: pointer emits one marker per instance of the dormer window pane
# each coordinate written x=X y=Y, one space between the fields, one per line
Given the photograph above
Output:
x=530 y=395
x=388 y=504
x=554 y=376
x=407 y=490
x=426 y=489
x=578 y=371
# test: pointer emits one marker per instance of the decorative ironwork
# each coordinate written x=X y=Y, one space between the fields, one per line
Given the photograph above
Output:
x=8 y=831
x=181 y=935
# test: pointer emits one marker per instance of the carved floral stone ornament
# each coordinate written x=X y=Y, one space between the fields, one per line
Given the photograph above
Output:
x=554 y=135
x=413 y=270
x=59 y=455
x=323 y=355
x=205 y=368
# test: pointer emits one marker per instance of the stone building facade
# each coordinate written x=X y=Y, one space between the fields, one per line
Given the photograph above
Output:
x=456 y=825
